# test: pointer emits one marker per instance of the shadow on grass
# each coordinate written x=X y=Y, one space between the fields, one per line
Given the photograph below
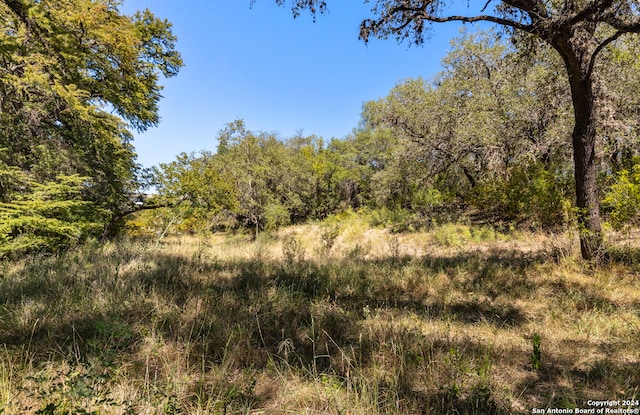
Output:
x=310 y=315
x=271 y=300
x=625 y=255
x=568 y=384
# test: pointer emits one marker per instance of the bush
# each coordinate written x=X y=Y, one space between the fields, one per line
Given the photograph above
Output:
x=534 y=195
x=275 y=216
x=48 y=217
x=622 y=202
x=399 y=220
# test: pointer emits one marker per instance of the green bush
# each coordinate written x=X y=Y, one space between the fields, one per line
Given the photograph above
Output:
x=48 y=217
x=622 y=201
x=399 y=220
x=534 y=195
x=275 y=215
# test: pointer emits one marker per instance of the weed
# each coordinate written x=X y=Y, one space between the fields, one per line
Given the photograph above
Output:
x=292 y=250
x=78 y=388
x=536 y=354
x=393 y=243
x=328 y=237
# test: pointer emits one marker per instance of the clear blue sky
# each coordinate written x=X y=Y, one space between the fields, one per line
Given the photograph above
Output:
x=277 y=73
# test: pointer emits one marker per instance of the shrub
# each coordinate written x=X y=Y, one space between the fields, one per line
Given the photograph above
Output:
x=622 y=202
x=535 y=195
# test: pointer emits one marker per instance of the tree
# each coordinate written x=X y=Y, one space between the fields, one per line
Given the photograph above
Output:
x=260 y=181
x=194 y=188
x=275 y=180
x=75 y=77
x=578 y=30
x=488 y=122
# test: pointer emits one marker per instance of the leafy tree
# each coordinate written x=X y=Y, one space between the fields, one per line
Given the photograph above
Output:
x=304 y=168
x=264 y=182
x=261 y=181
x=255 y=164
x=75 y=77
x=194 y=188
x=486 y=123
x=619 y=126
x=349 y=173
x=276 y=180
x=578 y=30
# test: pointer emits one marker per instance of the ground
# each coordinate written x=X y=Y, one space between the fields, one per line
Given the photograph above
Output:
x=330 y=318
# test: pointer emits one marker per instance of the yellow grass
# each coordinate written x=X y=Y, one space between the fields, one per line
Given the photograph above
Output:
x=373 y=322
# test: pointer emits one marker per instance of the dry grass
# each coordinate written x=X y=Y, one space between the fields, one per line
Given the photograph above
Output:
x=331 y=318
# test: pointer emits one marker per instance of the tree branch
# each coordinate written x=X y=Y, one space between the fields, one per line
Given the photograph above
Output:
x=601 y=46
x=532 y=7
x=487 y=18
x=480 y=18
x=622 y=26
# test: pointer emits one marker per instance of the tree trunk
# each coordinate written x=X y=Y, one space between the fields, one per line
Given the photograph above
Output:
x=583 y=140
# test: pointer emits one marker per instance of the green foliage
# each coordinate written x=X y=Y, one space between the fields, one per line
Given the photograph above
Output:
x=47 y=216
x=329 y=234
x=293 y=251
x=275 y=215
x=196 y=189
x=273 y=182
x=75 y=77
x=536 y=354
x=623 y=199
x=534 y=195
x=397 y=219
x=488 y=132
x=458 y=235
x=258 y=180
x=428 y=198
x=80 y=389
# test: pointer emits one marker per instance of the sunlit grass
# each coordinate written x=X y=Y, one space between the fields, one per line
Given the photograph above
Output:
x=332 y=318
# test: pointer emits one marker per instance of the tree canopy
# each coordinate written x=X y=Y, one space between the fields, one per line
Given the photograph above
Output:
x=487 y=135
x=75 y=78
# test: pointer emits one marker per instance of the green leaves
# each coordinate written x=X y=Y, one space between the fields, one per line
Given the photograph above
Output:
x=195 y=186
x=258 y=180
x=536 y=354
x=623 y=199
x=49 y=216
x=75 y=76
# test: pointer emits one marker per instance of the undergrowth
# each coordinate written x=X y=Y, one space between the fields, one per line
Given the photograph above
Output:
x=336 y=318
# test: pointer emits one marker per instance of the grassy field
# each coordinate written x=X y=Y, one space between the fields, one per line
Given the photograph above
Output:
x=334 y=318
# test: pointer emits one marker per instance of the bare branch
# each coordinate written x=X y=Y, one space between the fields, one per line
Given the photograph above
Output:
x=481 y=18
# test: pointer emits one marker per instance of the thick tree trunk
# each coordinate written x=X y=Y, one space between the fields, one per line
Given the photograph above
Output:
x=584 y=138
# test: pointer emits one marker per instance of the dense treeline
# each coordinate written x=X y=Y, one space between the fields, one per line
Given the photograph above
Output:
x=488 y=133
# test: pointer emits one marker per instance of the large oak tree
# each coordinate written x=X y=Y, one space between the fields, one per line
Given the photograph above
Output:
x=578 y=30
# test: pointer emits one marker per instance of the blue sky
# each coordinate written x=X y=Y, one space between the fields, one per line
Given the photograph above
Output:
x=277 y=73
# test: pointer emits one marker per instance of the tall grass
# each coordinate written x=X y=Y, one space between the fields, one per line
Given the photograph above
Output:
x=440 y=321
